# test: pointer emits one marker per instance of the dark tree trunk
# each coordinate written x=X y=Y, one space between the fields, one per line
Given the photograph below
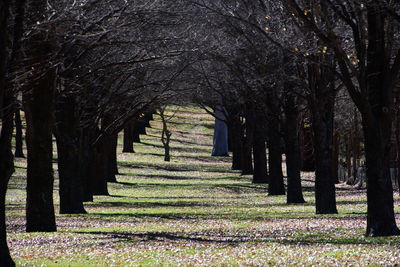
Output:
x=99 y=168
x=397 y=134
x=150 y=116
x=136 y=131
x=276 y=184
x=322 y=101
x=38 y=100
x=293 y=156
x=39 y=107
x=140 y=126
x=112 y=158
x=260 y=175
x=335 y=163
x=85 y=159
x=307 y=149
x=236 y=130
x=6 y=163
x=67 y=137
x=381 y=219
x=19 y=153
x=128 y=138
x=355 y=147
x=230 y=149
x=247 y=160
x=377 y=127
x=7 y=105
x=348 y=159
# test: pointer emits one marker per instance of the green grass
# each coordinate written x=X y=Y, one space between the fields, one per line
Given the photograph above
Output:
x=195 y=211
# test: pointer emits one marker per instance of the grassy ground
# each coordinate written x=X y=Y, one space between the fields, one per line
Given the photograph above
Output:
x=196 y=211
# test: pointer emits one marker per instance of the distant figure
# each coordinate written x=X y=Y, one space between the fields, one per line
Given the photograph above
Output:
x=220 y=141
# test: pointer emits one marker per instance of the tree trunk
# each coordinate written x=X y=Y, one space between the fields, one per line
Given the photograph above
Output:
x=220 y=139
x=85 y=160
x=260 y=175
x=38 y=106
x=38 y=100
x=276 y=184
x=136 y=131
x=348 y=160
x=128 y=138
x=19 y=153
x=335 y=153
x=112 y=158
x=307 y=149
x=140 y=126
x=397 y=134
x=99 y=168
x=67 y=137
x=6 y=166
x=236 y=134
x=322 y=102
x=381 y=219
x=293 y=156
x=247 y=160
x=377 y=127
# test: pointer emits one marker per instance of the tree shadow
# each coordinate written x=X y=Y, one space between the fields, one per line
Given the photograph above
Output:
x=210 y=237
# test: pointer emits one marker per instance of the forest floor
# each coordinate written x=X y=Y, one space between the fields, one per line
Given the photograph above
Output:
x=195 y=211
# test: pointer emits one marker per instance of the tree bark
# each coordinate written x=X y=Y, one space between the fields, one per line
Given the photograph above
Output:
x=140 y=126
x=38 y=101
x=377 y=127
x=307 y=149
x=293 y=156
x=247 y=140
x=128 y=138
x=136 y=131
x=85 y=159
x=39 y=107
x=98 y=167
x=260 y=175
x=381 y=219
x=236 y=129
x=322 y=101
x=67 y=138
x=19 y=153
x=112 y=158
x=335 y=163
x=7 y=158
x=276 y=184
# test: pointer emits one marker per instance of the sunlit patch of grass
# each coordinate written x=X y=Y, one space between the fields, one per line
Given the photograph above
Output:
x=195 y=211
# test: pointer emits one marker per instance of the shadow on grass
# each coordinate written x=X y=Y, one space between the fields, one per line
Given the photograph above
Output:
x=236 y=239
x=234 y=188
x=179 y=177
x=176 y=167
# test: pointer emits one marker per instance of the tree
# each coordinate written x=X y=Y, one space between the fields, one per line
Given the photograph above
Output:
x=367 y=51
